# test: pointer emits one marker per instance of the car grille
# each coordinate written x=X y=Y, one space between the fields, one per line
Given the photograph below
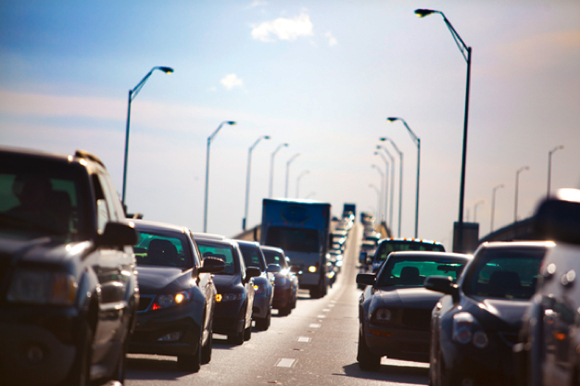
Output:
x=145 y=302
x=416 y=318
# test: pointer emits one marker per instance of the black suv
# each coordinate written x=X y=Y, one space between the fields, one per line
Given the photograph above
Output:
x=68 y=288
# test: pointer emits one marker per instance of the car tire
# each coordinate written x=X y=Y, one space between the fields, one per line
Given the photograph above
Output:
x=262 y=324
x=191 y=362
x=248 y=333
x=237 y=338
x=367 y=360
x=81 y=370
x=285 y=311
x=207 y=349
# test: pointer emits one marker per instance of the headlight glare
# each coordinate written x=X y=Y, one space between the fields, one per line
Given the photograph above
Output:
x=312 y=269
x=168 y=300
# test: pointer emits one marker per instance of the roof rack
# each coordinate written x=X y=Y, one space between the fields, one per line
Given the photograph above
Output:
x=85 y=154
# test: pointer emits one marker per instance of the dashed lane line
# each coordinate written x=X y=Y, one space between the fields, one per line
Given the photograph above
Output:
x=285 y=362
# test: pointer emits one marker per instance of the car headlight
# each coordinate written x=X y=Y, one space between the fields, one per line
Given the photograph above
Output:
x=260 y=288
x=383 y=315
x=29 y=286
x=312 y=269
x=464 y=326
x=229 y=297
x=169 y=300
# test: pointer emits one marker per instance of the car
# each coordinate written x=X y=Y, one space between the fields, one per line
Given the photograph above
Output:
x=476 y=324
x=69 y=289
x=393 y=244
x=176 y=308
x=395 y=308
x=263 y=284
x=547 y=353
x=235 y=289
x=285 y=281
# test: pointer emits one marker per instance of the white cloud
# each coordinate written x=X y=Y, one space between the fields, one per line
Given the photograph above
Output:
x=331 y=39
x=231 y=81
x=283 y=29
x=258 y=3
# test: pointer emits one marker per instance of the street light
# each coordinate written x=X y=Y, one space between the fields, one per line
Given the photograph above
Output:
x=298 y=182
x=493 y=206
x=231 y=123
x=380 y=208
x=288 y=172
x=517 y=183
x=386 y=183
x=271 y=193
x=550 y=166
x=480 y=202
x=400 y=180
x=378 y=196
x=466 y=53
x=417 y=141
x=132 y=95
x=392 y=182
x=244 y=221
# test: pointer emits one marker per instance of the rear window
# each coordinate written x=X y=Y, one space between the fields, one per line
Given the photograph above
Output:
x=293 y=239
x=411 y=271
x=273 y=257
x=253 y=257
x=389 y=246
x=224 y=252
x=163 y=250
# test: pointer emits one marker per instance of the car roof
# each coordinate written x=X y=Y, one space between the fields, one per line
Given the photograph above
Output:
x=148 y=225
x=410 y=240
x=270 y=248
x=422 y=254
x=212 y=236
x=516 y=244
x=247 y=242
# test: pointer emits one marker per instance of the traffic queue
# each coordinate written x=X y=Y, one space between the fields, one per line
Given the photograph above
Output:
x=505 y=315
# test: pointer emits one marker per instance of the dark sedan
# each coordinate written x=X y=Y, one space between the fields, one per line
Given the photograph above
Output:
x=395 y=308
x=235 y=289
x=475 y=326
x=177 y=296
x=285 y=281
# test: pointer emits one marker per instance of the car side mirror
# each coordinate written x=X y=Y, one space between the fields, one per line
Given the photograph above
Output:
x=442 y=284
x=212 y=265
x=558 y=218
x=253 y=272
x=118 y=234
x=273 y=268
x=366 y=279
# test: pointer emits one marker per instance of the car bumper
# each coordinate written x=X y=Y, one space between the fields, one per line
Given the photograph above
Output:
x=398 y=343
x=282 y=298
x=228 y=317
x=309 y=280
x=38 y=345
x=171 y=331
x=261 y=307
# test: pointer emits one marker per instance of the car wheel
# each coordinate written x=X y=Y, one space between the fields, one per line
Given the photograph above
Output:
x=191 y=362
x=263 y=324
x=248 y=333
x=206 y=350
x=285 y=311
x=367 y=360
x=294 y=300
x=237 y=338
x=81 y=370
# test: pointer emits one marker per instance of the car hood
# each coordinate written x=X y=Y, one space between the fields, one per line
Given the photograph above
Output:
x=224 y=282
x=41 y=250
x=502 y=313
x=415 y=297
x=162 y=279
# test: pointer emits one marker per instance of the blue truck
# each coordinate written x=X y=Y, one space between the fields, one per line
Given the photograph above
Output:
x=302 y=229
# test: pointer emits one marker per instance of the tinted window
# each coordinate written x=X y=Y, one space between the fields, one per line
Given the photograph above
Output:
x=224 y=252
x=163 y=250
x=508 y=273
x=273 y=257
x=407 y=271
x=389 y=246
x=293 y=239
x=253 y=257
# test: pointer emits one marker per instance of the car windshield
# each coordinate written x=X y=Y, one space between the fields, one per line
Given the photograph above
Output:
x=293 y=239
x=42 y=199
x=274 y=257
x=223 y=252
x=507 y=273
x=411 y=271
x=389 y=246
x=252 y=256
x=163 y=250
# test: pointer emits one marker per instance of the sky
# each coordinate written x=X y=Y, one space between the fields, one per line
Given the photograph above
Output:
x=321 y=76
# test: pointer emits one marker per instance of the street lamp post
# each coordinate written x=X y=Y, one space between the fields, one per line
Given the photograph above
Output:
x=271 y=193
x=517 y=184
x=400 y=180
x=550 y=166
x=392 y=182
x=298 y=182
x=493 y=205
x=207 y=172
x=378 y=196
x=466 y=53
x=380 y=208
x=132 y=95
x=244 y=221
x=386 y=183
x=288 y=172
x=417 y=141
x=478 y=203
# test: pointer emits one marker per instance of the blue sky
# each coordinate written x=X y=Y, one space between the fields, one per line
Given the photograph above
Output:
x=319 y=75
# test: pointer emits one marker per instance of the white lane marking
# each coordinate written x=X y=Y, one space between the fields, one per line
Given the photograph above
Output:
x=285 y=362
x=303 y=339
x=321 y=316
x=331 y=305
x=315 y=325
x=326 y=310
